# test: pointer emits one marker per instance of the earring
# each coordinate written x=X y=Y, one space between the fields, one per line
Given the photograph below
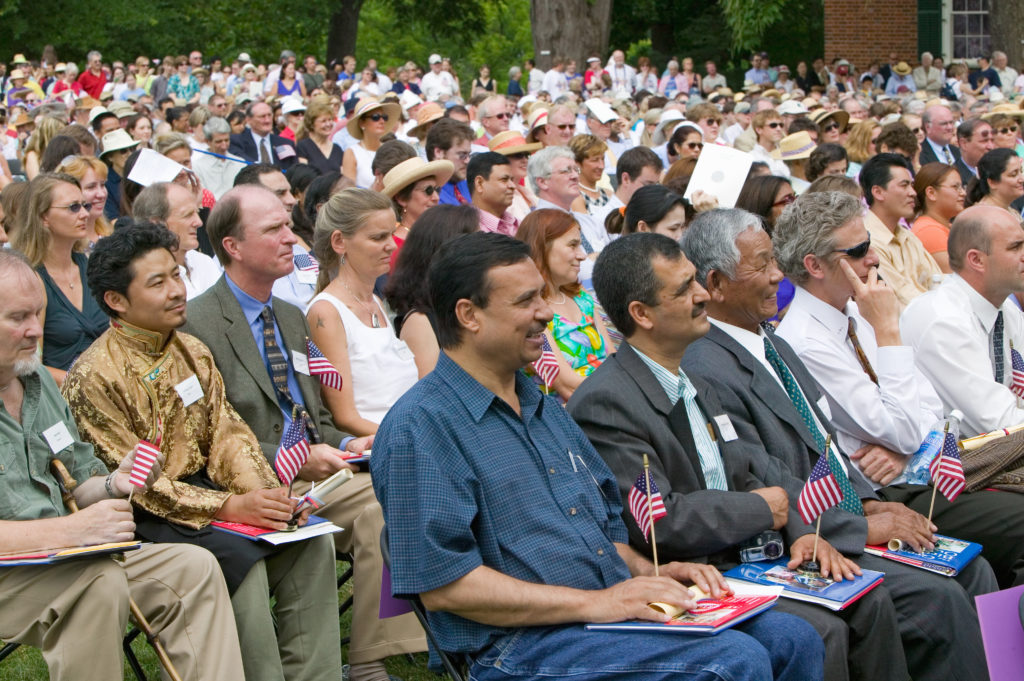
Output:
x=341 y=261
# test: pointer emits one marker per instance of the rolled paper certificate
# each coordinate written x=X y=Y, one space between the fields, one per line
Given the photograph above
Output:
x=895 y=544
x=973 y=443
x=675 y=611
x=330 y=484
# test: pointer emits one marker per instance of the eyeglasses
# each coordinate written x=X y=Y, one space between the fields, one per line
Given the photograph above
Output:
x=831 y=126
x=785 y=200
x=694 y=145
x=1007 y=131
x=376 y=117
x=500 y=116
x=775 y=124
x=958 y=187
x=75 y=207
x=430 y=190
x=916 y=130
x=565 y=126
x=571 y=170
x=856 y=252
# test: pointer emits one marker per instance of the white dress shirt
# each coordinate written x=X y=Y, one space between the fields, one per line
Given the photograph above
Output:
x=199 y=273
x=896 y=413
x=777 y=166
x=950 y=329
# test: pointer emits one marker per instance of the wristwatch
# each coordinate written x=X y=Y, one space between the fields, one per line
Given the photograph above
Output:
x=109 y=486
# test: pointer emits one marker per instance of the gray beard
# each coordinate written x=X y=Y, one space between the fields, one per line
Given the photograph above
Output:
x=27 y=366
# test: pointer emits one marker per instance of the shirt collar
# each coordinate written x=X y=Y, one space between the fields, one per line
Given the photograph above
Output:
x=984 y=310
x=832 y=319
x=544 y=203
x=752 y=342
x=251 y=308
x=476 y=398
x=672 y=383
x=145 y=340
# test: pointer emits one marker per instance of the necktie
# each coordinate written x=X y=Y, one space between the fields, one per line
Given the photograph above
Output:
x=794 y=392
x=851 y=332
x=275 y=358
x=997 y=347
x=949 y=156
x=264 y=151
x=707 y=450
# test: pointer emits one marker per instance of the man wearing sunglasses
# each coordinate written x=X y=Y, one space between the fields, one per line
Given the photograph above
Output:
x=844 y=325
x=904 y=262
x=493 y=116
x=770 y=129
x=782 y=421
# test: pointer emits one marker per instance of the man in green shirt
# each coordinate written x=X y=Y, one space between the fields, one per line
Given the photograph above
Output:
x=76 y=612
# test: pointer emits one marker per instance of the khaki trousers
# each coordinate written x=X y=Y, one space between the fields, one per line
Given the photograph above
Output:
x=76 y=612
x=354 y=507
x=306 y=645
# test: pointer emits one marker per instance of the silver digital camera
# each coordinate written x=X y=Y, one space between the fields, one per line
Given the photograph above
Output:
x=766 y=545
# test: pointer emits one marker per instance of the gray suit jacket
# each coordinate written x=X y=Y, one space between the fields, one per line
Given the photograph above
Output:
x=216 y=318
x=625 y=413
x=768 y=424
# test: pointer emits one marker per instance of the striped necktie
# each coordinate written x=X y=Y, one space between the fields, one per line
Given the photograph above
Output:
x=997 y=347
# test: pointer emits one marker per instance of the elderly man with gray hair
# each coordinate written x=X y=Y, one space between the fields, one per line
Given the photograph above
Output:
x=926 y=76
x=781 y=419
x=555 y=178
x=215 y=166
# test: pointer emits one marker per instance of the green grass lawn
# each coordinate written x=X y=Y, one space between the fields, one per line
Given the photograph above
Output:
x=26 y=664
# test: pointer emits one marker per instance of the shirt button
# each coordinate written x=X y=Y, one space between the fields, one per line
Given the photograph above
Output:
x=572 y=511
x=551 y=470
x=277 y=427
x=600 y=552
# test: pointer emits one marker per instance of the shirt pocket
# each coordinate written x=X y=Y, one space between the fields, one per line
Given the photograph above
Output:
x=13 y=502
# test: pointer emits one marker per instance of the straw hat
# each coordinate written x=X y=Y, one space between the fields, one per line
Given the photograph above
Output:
x=412 y=171
x=1004 y=109
x=902 y=68
x=19 y=58
x=428 y=113
x=368 y=105
x=538 y=117
x=121 y=109
x=16 y=74
x=22 y=119
x=794 y=147
x=840 y=116
x=116 y=140
x=511 y=142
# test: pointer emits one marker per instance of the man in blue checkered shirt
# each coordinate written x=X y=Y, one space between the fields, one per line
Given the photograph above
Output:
x=506 y=522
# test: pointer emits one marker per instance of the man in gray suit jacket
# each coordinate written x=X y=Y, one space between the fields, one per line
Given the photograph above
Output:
x=249 y=229
x=735 y=262
x=632 y=406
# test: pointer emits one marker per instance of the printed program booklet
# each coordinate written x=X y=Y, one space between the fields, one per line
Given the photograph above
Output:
x=948 y=558
x=810 y=588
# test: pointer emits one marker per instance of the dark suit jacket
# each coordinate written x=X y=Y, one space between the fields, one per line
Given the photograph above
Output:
x=625 y=413
x=965 y=173
x=768 y=424
x=242 y=144
x=927 y=154
x=216 y=318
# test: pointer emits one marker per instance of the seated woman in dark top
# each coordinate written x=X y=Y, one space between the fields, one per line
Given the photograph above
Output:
x=406 y=290
x=53 y=230
x=317 y=149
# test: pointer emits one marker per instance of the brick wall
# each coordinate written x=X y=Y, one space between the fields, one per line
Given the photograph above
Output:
x=862 y=30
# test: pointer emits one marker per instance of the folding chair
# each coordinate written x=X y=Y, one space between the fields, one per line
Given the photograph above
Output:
x=342 y=580
x=455 y=665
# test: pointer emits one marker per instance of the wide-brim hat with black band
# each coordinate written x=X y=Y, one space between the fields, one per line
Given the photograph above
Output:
x=412 y=171
x=368 y=105
x=512 y=142
x=795 y=147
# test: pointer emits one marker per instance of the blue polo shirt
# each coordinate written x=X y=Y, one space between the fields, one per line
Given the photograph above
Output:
x=464 y=481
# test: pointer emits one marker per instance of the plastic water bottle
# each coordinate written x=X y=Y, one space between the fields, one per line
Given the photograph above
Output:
x=917 y=469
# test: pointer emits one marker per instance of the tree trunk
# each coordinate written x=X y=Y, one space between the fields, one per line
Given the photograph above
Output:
x=342 y=29
x=1007 y=21
x=569 y=28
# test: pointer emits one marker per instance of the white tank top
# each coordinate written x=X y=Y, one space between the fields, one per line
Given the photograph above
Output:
x=364 y=163
x=382 y=364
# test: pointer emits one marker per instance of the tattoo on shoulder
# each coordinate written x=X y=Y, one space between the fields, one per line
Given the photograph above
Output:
x=320 y=322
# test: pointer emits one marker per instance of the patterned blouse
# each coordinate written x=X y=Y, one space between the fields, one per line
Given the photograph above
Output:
x=581 y=344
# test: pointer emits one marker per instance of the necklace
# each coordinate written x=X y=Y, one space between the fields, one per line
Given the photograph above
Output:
x=374 y=320
x=589 y=189
x=560 y=302
x=69 y=281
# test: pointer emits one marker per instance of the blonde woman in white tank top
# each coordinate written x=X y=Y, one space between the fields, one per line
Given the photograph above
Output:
x=353 y=242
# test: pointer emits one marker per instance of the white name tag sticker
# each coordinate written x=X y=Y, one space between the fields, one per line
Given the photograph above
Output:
x=58 y=437
x=189 y=390
x=300 y=363
x=284 y=151
x=307 y=277
x=725 y=427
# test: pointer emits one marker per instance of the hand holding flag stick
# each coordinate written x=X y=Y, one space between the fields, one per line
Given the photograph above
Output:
x=146 y=454
x=820 y=493
x=817 y=523
x=647 y=507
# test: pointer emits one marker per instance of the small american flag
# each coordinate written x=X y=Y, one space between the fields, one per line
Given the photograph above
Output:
x=947 y=470
x=546 y=365
x=293 y=452
x=821 y=491
x=321 y=367
x=307 y=263
x=146 y=455
x=638 y=504
x=1018 y=373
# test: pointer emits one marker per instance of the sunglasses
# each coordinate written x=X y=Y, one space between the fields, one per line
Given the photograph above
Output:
x=1007 y=131
x=519 y=157
x=856 y=252
x=75 y=207
x=376 y=117
x=694 y=145
x=831 y=126
x=500 y=116
x=430 y=190
x=916 y=130
x=785 y=200
x=775 y=124
x=566 y=126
